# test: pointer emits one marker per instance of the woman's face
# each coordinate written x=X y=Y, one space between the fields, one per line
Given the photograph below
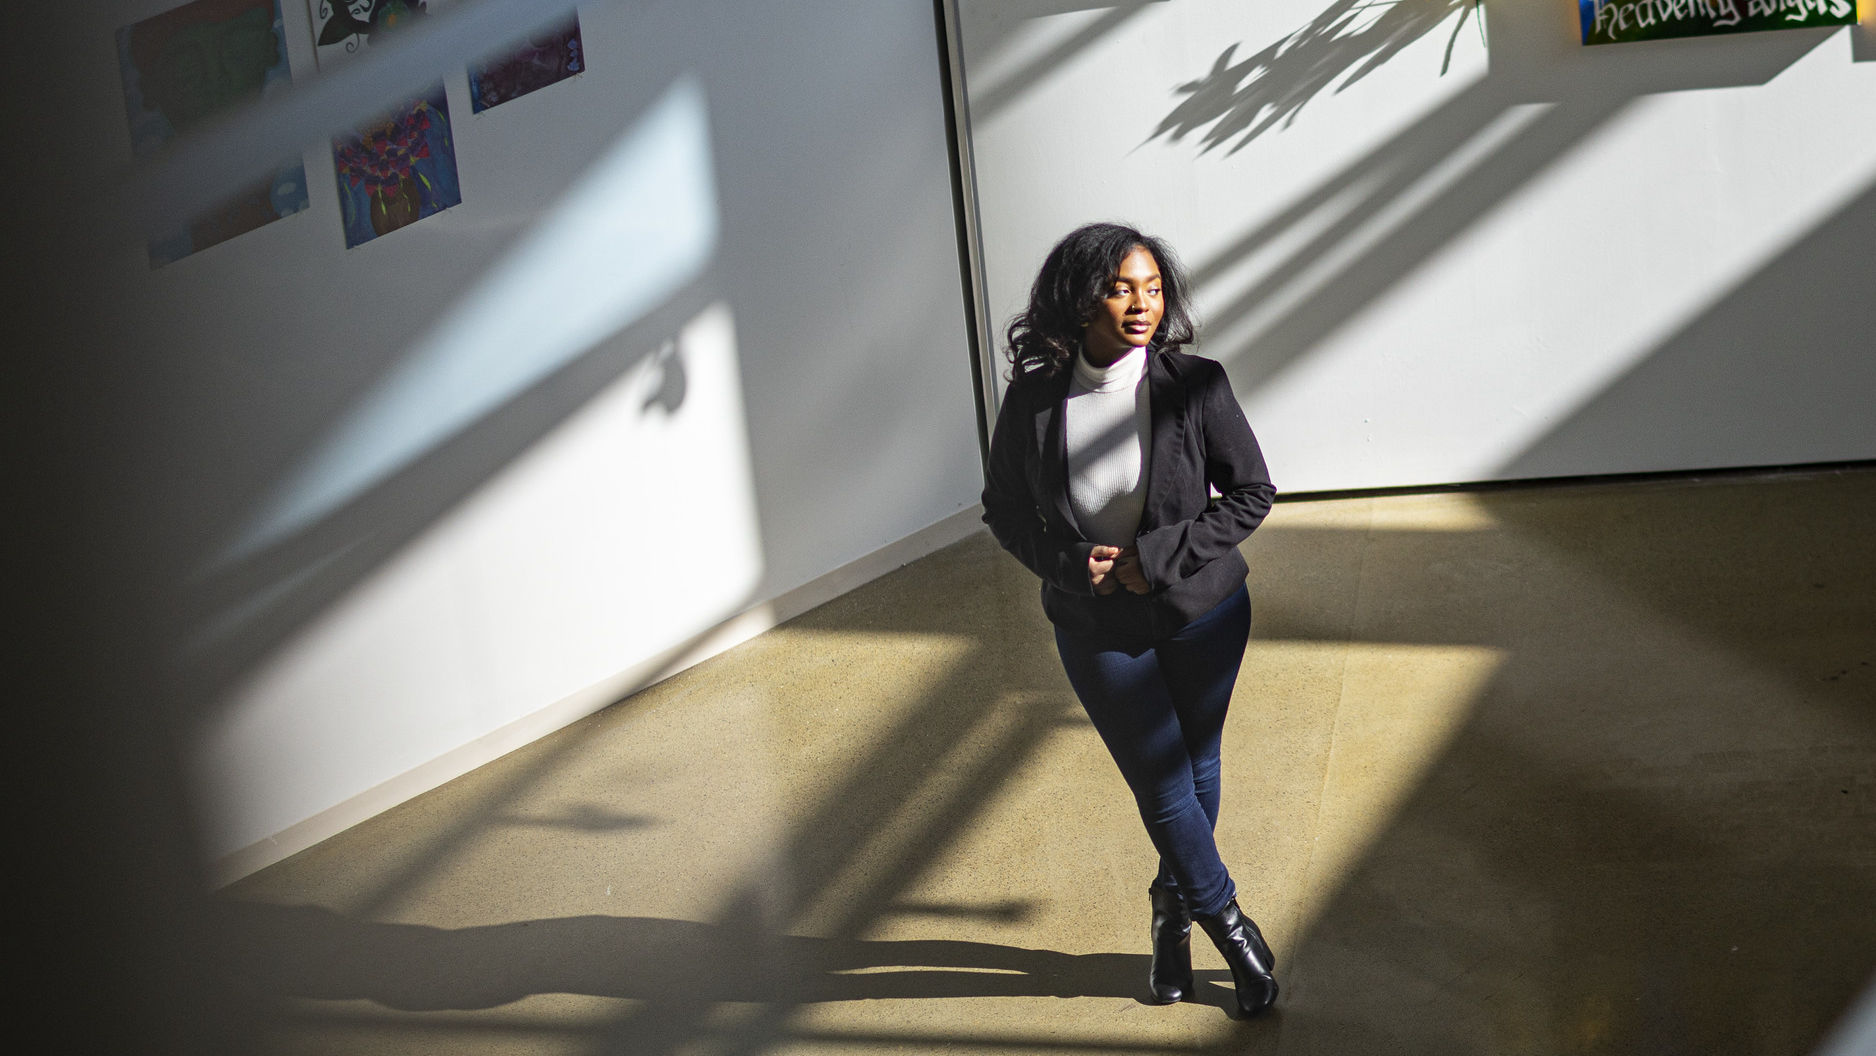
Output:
x=1130 y=312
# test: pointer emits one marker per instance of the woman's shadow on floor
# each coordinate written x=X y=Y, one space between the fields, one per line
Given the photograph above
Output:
x=312 y=952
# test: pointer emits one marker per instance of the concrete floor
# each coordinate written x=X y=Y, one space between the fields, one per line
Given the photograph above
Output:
x=1585 y=769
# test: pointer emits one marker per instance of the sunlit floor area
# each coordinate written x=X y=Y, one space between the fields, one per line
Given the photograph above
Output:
x=1564 y=769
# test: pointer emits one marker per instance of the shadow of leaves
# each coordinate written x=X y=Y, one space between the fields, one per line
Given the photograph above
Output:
x=1240 y=99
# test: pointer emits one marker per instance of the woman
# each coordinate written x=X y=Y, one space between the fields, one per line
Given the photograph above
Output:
x=1103 y=468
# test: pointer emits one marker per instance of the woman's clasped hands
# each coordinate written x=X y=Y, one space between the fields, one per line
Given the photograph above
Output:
x=1112 y=567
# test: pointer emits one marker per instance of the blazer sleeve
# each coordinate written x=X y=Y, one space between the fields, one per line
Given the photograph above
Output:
x=1014 y=513
x=1234 y=467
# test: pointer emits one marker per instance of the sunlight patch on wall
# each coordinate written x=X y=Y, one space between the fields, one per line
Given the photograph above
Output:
x=627 y=532
x=632 y=230
x=1492 y=381
x=1300 y=279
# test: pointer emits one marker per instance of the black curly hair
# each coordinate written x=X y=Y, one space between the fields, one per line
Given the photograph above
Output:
x=1045 y=337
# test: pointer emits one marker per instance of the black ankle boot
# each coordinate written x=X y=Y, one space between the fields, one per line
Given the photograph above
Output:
x=1245 y=950
x=1171 y=974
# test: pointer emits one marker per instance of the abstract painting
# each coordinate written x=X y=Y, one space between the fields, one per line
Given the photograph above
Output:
x=401 y=167
x=193 y=62
x=548 y=57
x=1622 y=21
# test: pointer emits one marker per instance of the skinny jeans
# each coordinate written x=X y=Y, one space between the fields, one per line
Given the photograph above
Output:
x=1160 y=708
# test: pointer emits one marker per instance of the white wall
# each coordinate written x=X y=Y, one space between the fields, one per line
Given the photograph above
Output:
x=1433 y=251
x=693 y=342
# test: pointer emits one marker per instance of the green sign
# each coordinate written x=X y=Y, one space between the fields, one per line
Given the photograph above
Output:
x=1621 y=21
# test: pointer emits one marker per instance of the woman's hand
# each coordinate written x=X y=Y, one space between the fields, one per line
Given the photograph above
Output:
x=1128 y=571
x=1101 y=569
x=1113 y=567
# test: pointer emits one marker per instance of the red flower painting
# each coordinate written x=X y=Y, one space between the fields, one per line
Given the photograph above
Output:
x=397 y=170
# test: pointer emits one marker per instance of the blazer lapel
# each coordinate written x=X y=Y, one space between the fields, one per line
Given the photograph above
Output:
x=1166 y=397
x=1052 y=445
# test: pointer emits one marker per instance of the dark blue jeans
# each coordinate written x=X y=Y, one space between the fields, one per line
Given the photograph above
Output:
x=1160 y=708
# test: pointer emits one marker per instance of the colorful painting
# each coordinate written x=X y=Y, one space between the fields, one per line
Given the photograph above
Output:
x=548 y=57
x=1622 y=21
x=397 y=170
x=400 y=168
x=188 y=64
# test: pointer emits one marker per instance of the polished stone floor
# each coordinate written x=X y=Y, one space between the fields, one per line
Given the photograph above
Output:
x=1557 y=770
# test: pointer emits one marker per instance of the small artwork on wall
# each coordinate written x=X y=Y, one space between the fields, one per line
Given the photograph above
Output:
x=1622 y=21
x=193 y=62
x=398 y=169
x=548 y=57
x=343 y=28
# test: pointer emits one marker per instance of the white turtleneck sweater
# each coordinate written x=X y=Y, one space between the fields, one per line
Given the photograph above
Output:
x=1109 y=443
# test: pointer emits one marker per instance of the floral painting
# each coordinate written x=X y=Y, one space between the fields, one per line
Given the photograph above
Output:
x=546 y=58
x=189 y=64
x=398 y=169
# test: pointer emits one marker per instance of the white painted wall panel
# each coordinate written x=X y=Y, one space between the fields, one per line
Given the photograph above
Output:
x=1434 y=244
x=695 y=338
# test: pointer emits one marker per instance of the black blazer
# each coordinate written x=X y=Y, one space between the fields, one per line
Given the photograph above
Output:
x=1188 y=539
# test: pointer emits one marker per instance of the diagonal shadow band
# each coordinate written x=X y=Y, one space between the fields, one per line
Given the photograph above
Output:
x=986 y=102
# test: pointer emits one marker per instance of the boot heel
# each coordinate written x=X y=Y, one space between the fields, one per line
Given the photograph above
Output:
x=1170 y=979
x=1245 y=950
